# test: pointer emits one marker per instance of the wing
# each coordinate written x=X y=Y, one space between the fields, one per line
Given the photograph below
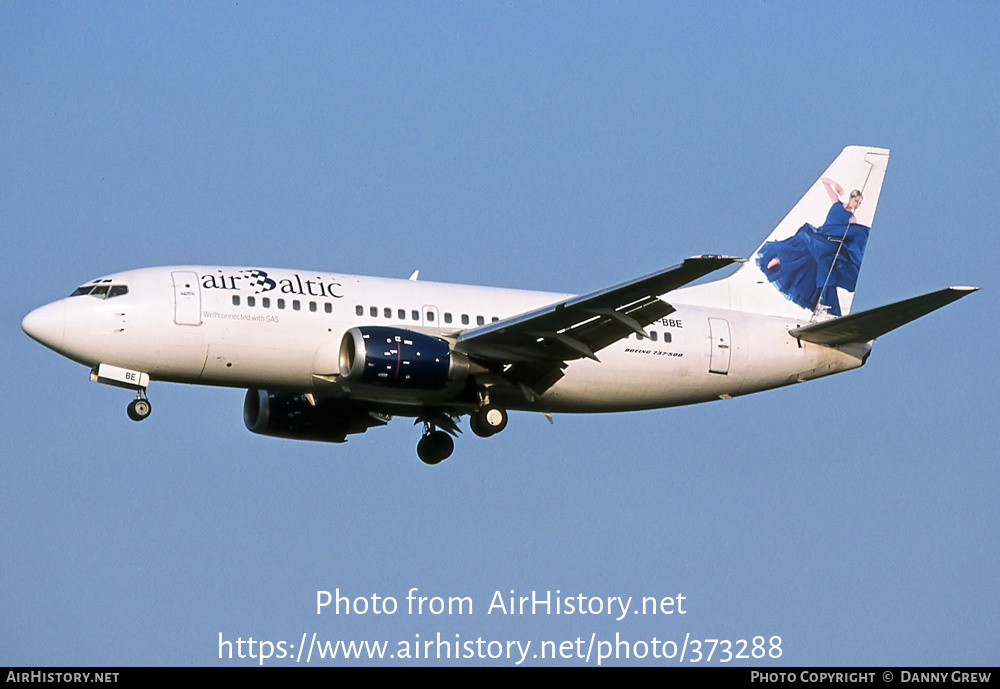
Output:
x=534 y=347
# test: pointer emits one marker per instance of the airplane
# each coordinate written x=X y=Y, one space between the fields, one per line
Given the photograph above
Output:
x=327 y=355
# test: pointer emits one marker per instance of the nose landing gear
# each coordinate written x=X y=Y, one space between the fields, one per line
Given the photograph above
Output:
x=139 y=408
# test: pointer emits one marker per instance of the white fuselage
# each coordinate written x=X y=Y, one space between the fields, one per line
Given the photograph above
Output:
x=282 y=330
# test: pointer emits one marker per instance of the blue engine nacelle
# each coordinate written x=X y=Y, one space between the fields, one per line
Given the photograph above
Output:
x=292 y=416
x=398 y=358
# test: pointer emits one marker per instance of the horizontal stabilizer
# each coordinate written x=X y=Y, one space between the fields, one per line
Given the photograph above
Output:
x=867 y=325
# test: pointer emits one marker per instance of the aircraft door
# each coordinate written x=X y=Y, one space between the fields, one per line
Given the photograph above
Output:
x=187 y=298
x=719 y=328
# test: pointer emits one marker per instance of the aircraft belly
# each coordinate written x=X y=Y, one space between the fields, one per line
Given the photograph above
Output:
x=630 y=380
x=251 y=365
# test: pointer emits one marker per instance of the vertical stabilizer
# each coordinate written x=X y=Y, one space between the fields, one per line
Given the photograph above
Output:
x=808 y=266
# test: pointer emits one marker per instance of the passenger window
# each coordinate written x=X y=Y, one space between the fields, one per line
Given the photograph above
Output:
x=401 y=314
x=447 y=317
x=328 y=307
x=236 y=300
x=652 y=335
x=251 y=301
x=373 y=311
x=296 y=305
x=666 y=337
x=480 y=320
x=265 y=302
x=430 y=316
x=465 y=319
x=415 y=314
x=387 y=312
x=312 y=307
x=359 y=310
x=281 y=303
x=495 y=319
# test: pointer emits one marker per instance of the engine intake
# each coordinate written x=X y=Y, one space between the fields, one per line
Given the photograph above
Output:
x=399 y=358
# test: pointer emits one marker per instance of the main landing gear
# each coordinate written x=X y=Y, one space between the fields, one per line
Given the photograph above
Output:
x=488 y=420
x=139 y=409
x=435 y=446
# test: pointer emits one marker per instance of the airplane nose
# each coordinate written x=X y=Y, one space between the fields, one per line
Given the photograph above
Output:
x=47 y=324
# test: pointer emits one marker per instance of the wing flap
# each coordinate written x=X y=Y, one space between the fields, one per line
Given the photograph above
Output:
x=867 y=325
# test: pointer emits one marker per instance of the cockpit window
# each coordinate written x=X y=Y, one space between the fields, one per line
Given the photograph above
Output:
x=102 y=291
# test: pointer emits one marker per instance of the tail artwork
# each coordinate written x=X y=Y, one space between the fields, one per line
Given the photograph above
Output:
x=808 y=266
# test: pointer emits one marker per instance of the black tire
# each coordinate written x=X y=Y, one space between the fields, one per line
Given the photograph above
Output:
x=477 y=427
x=488 y=420
x=139 y=410
x=435 y=447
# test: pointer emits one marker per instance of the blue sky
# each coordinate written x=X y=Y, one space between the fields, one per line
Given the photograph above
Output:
x=559 y=146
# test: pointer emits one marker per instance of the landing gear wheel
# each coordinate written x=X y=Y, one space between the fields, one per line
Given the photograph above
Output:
x=139 y=409
x=435 y=447
x=477 y=427
x=488 y=420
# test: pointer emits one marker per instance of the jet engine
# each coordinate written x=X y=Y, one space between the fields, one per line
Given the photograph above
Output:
x=287 y=415
x=399 y=358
